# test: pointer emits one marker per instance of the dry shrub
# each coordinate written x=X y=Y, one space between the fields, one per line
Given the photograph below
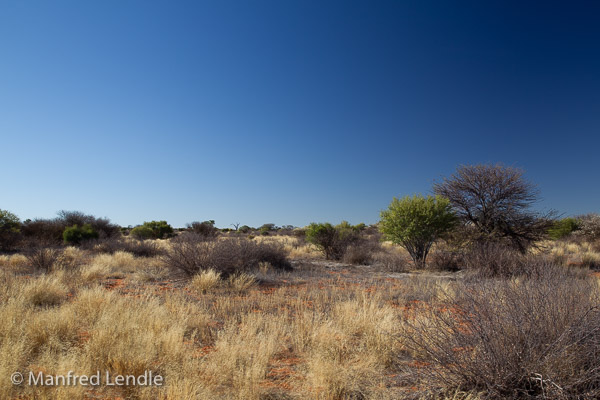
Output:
x=361 y=253
x=391 y=261
x=191 y=253
x=588 y=226
x=517 y=338
x=446 y=260
x=43 y=258
x=493 y=259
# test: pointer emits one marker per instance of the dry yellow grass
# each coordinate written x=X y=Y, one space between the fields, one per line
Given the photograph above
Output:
x=294 y=247
x=323 y=338
x=205 y=281
x=571 y=253
x=311 y=333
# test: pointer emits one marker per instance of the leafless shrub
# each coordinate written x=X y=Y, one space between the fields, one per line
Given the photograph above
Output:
x=205 y=229
x=588 y=226
x=42 y=258
x=45 y=231
x=518 y=338
x=42 y=232
x=101 y=225
x=496 y=259
x=446 y=260
x=391 y=262
x=362 y=252
x=191 y=253
x=269 y=252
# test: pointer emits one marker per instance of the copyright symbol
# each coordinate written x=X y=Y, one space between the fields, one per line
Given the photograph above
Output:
x=16 y=378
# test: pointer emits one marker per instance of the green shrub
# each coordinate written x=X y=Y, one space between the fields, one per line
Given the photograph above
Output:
x=142 y=232
x=416 y=223
x=332 y=240
x=76 y=234
x=563 y=228
x=9 y=229
x=152 y=230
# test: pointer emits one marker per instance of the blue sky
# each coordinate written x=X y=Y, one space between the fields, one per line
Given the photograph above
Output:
x=290 y=111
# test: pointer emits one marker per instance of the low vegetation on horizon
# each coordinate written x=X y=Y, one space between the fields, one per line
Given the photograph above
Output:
x=468 y=293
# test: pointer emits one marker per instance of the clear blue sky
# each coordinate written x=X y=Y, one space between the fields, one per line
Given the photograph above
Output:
x=290 y=111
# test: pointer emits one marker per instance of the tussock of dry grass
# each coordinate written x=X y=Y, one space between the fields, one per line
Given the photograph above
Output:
x=16 y=263
x=205 y=281
x=241 y=282
x=45 y=291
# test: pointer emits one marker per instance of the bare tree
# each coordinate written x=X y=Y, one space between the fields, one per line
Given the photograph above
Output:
x=236 y=226
x=497 y=201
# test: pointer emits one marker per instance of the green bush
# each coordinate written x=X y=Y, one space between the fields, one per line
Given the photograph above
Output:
x=9 y=229
x=563 y=228
x=416 y=223
x=76 y=234
x=152 y=230
x=332 y=240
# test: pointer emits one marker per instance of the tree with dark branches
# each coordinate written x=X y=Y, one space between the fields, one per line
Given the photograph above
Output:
x=496 y=200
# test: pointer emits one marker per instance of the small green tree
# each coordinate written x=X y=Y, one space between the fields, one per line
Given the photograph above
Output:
x=416 y=223
x=77 y=234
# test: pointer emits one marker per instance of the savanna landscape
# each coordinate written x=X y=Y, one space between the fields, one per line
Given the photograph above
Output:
x=299 y=200
x=467 y=293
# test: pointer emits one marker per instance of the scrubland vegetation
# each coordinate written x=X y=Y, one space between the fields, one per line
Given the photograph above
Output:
x=447 y=297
